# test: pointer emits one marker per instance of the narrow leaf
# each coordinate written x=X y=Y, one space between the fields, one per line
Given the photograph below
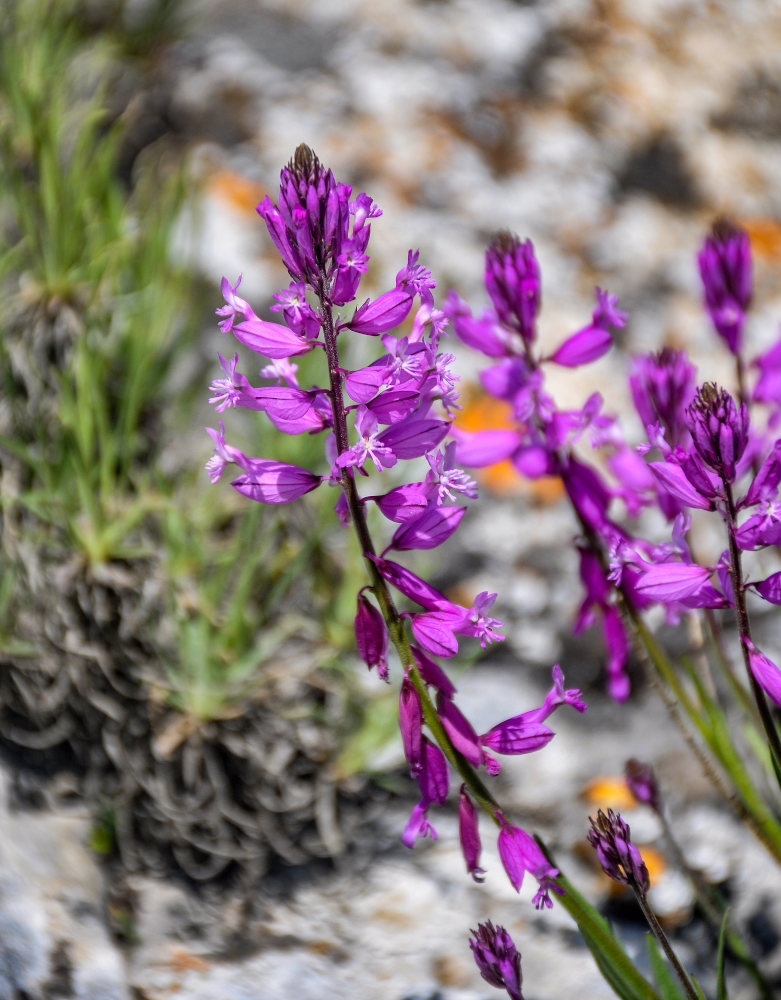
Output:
x=666 y=980
x=721 y=982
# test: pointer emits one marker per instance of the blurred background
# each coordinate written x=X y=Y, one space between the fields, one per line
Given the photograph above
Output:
x=202 y=787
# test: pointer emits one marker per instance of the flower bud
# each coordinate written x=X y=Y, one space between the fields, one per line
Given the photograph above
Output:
x=620 y=859
x=498 y=960
x=719 y=429
x=512 y=277
x=725 y=268
x=641 y=782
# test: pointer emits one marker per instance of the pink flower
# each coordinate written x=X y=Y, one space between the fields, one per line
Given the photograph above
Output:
x=274 y=482
x=765 y=672
x=520 y=853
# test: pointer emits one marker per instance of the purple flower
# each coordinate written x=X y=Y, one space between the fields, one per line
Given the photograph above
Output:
x=518 y=735
x=618 y=647
x=480 y=448
x=371 y=636
x=479 y=624
x=594 y=340
x=436 y=630
x=642 y=783
x=762 y=528
x=282 y=370
x=369 y=445
x=618 y=856
x=299 y=315
x=418 y=825
x=409 y=584
x=764 y=486
x=526 y=732
x=769 y=588
x=403 y=503
x=662 y=388
x=352 y=265
x=607 y=312
x=768 y=387
x=270 y=339
x=469 y=835
x=310 y=225
x=268 y=481
x=673 y=581
x=411 y=725
x=558 y=696
x=413 y=438
x=725 y=269
x=232 y=390
x=394 y=405
x=223 y=454
x=719 y=430
x=432 y=673
x=391 y=308
x=234 y=305
x=512 y=278
x=292 y=410
x=434 y=776
x=444 y=478
x=674 y=481
x=428 y=531
x=520 y=853
x=765 y=672
x=459 y=729
x=497 y=958
x=582 y=347
x=484 y=334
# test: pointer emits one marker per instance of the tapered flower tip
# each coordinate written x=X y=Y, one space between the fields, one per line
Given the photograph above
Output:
x=497 y=958
x=662 y=387
x=304 y=163
x=726 y=271
x=512 y=279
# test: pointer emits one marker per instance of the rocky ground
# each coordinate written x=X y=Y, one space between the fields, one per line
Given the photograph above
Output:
x=611 y=134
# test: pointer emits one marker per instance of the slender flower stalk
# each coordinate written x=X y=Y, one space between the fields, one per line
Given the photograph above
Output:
x=642 y=783
x=621 y=861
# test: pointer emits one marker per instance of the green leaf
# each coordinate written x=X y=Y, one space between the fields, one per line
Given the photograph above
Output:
x=721 y=982
x=615 y=965
x=665 y=978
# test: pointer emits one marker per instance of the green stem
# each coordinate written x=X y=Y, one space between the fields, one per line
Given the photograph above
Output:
x=749 y=804
x=713 y=906
x=661 y=937
x=744 y=630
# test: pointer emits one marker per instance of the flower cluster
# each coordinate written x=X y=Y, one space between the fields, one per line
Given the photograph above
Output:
x=395 y=409
x=542 y=443
x=700 y=442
